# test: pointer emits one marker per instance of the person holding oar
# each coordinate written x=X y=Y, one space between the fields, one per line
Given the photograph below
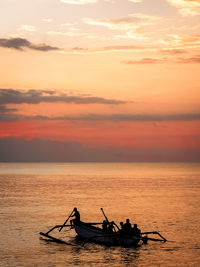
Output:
x=75 y=214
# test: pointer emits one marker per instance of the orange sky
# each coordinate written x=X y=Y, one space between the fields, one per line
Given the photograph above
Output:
x=106 y=74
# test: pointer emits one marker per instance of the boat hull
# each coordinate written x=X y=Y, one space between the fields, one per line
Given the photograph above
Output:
x=94 y=234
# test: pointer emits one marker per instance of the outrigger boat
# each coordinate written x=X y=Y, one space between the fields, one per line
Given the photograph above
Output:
x=90 y=232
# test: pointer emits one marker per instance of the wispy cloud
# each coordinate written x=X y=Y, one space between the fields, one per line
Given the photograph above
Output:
x=21 y=44
x=133 y=117
x=48 y=20
x=85 y=2
x=123 y=48
x=79 y=2
x=182 y=41
x=71 y=32
x=189 y=60
x=27 y=28
x=136 y=1
x=11 y=96
x=113 y=48
x=131 y=25
x=180 y=60
x=4 y=109
x=186 y=7
x=138 y=117
x=123 y=23
x=9 y=116
x=145 y=61
x=173 y=51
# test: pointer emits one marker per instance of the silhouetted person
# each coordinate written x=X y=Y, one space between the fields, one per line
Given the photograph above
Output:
x=110 y=228
x=127 y=227
x=136 y=231
x=105 y=225
x=121 y=225
x=75 y=214
x=121 y=230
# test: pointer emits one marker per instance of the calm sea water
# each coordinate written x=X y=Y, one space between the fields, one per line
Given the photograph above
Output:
x=162 y=197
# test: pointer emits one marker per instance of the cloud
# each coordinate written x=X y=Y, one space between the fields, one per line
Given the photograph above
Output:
x=8 y=114
x=28 y=28
x=38 y=150
x=181 y=60
x=21 y=43
x=11 y=96
x=4 y=109
x=136 y=1
x=131 y=25
x=190 y=60
x=173 y=51
x=182 y=41
x=145 y=61
x=5 y=117
x=79 y=2
x=106 y=49
x=85 y=2
x=186 y=7
x=132 y=117
x=123 y=48
x=131 y=21
x=48 y=20
x=107 y=117
x=70 y=33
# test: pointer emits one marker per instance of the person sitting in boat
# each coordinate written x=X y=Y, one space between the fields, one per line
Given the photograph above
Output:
x=75 y=214
x=127 y=226
x=135 y=231
x=105 y=225
x=121 y=230
x=110 y=228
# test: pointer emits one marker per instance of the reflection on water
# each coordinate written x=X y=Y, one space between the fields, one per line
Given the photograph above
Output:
x=160 y=197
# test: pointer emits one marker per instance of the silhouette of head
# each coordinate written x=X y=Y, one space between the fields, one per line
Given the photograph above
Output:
x=127 y=220
x=75 y=209
x=135 y=225
x=121 y=223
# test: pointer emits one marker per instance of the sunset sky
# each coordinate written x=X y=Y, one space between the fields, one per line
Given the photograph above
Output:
x=100 y=80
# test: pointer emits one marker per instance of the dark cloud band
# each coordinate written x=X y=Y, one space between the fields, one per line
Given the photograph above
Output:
x=11 y=96
x=37 y=150
x=7 y=116
x=21 y=43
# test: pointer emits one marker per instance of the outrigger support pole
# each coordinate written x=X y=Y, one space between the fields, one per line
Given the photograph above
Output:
x=154 y=239
x=55 y=239
x=59 y=226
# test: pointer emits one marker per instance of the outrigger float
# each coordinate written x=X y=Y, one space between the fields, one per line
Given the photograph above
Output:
x=90 y=232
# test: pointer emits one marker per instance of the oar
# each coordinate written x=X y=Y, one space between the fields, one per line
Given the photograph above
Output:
x=105 y=216
x=107 y=219
x=65 y=221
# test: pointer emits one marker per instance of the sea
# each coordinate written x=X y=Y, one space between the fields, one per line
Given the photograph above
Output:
x=162 y=197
